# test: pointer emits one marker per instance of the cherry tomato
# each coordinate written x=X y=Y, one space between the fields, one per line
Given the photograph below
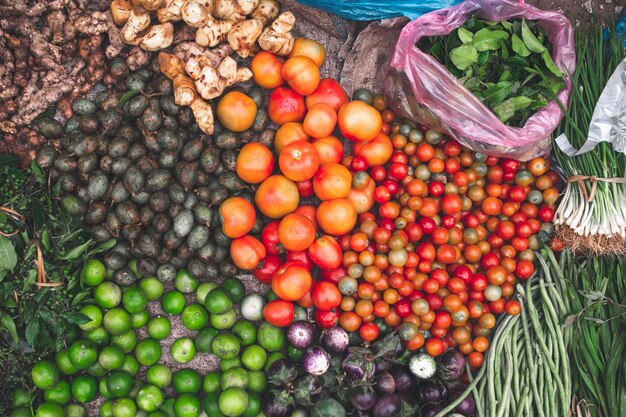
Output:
x=326 y=319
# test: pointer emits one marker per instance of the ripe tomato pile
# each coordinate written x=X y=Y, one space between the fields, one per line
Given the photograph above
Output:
x=410 y=231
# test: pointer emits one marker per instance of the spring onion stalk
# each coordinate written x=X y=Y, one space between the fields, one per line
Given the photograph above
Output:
x=605 y=215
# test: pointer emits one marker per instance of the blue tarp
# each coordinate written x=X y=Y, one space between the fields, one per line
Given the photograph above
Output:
x=381 y=9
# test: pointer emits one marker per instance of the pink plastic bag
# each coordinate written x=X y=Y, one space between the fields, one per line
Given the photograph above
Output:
x=422 y=89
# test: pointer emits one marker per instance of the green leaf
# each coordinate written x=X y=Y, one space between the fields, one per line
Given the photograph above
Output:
x=75 y=252
x=77 y=318
x=127 y=96
x=519 y=47
x=550 y=64
x=507 y=109
x=102 y=248
x=516 y=61
x=488 y=40
x=8 y=257
x=498 y=92
x=464 y=56
x=531 y=41
x=32 y=332
x=483 y=57
x=9 y=325
x=465 y=35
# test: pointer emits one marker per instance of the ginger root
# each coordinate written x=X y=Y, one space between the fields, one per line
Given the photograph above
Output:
x=266 y=11
x=212 y=81
x=138 y=21
x=157 y=37
x=120 y=10
x=277 y=38
x=213 y=33
x=203 y=113
x=184 y=90
x=195 y=13
x=244 y=35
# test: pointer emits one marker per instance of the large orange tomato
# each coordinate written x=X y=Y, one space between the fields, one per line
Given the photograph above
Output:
x=377 y=151
x=309 y=48
x=308 y=212
x=325 y=252
x=360 y=122
x=254 y=163
x=266 y=70
x=299 y=161
x=363 y=200
x=320 y=121
x=285 y=105
x=302 y=74
x=292 y=281
x=236 y=111
x=332 y=181
x=296 y=232
x=287 y=134
x=330 y=92
x=237 y=216
x=330 y=149
x=336 y=217
x=277 y=196
x=247 y=252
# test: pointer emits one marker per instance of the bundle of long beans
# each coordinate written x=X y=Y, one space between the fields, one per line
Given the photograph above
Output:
x=527 y=367
x=591 y=214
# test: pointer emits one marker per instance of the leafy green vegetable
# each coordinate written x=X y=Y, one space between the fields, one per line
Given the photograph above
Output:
x=508 y=65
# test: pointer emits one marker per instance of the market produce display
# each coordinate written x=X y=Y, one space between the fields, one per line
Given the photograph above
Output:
x=206 y=224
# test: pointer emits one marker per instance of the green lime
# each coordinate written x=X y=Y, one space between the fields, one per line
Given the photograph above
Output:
x=99 y=336
x=96 y=370
x=168 y=407
x=245 y=331
x=93 y=273
x=119 y=384
x=158 y=413
x=211 y=382
x=149 y=398
x=173 y=302
x=74 y=410
x=258 y=381
x=234 y=377
x=20 y=398
x=187 y=381
x=210 y=405
x=148 y=352
x=49 y=409
x=108 y=294
x=134 y=300
x=254 y=357
x=106 y=409
x=60 y=394
x=124 y=407
x=187 y=405
x=111 y=357
x=116 y=321
x=271 y=338
x=130 y=365
x=233 y=401
x=62 y=359
x=94 y=314
x=194 y=317
x=254 y=405
x=224 y=321
x=226 y=364
x=83 y=354
x=204 y=339
x=218 y=301
x=159 y=327
x=84 y=388
x=127 y=341
x=159 y=375
x=21 y=412
x=139 y=319
x=185 y=282
x=152 y=287
x=272 y=357
x=203 y=289
x=45 y=374
x=137 y=385
x=294 y=353
x=234 y=287
x=226 y=346
x=103 y=388
x=183 y=350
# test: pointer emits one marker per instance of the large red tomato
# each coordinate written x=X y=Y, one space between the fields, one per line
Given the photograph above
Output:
x=255 y=163
x=285 y=105
x=246 y=252
x=278 y=313
x=292 y=281
x=299 y=161
x=237 y=216
x=267 y=70
x=332 y=181
x=377 y=151
x=296 y=232
x=360 y=122
x=326 y=295
x=329 y=91
x=330 y=149
x=326 y=252
x=264 y=271
x=336 y=217
x=277 y=196
x=302 y=74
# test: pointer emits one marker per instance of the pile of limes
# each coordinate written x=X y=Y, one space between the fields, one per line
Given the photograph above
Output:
x=108 y=358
